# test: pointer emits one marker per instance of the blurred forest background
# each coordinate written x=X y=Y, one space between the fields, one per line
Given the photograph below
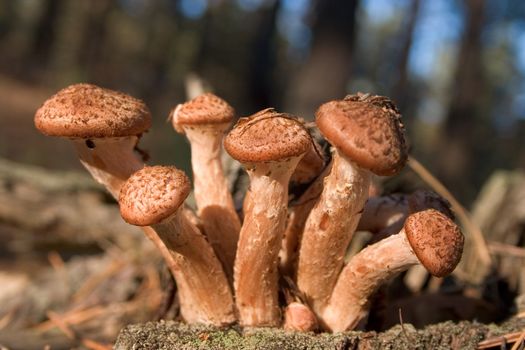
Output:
x=455 y=68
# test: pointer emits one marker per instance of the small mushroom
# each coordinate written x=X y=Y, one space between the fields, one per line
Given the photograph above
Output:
x=368 y=137
x=153 y=197
x=204 y=120
x=269 y=145
x=299 y=317
x=429 y=238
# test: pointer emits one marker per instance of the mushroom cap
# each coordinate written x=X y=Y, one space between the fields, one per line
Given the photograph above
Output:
x=367 y=129
x=89 y=111
x=423 y=199
x=206 y=109
x=310 y=166
x=436 y=240
x=153 y=194
x=267 y=136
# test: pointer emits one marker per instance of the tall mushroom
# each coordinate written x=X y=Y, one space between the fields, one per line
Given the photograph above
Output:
x=269 y=144
x=152 y=197
x=368 y=137
x=429 y=237
x=105 y=127
x=204 y=120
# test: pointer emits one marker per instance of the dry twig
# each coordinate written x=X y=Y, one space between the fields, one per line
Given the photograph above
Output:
x=501 y=340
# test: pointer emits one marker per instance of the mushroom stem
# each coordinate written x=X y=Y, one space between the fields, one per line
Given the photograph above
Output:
x=295 y=224
x=256 y=271
x=110 y=161
x=361 y=277
x=428 y=237
x=214 y=201
x=200 y=270
x=329 y=229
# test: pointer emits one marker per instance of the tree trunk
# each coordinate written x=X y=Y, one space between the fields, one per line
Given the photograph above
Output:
x=325 y=74
x=399 y=90
x=464 y=120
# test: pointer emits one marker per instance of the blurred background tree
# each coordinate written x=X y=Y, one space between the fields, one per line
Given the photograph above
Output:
x=455 y=67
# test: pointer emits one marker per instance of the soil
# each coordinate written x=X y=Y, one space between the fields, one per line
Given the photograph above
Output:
x=165 y=335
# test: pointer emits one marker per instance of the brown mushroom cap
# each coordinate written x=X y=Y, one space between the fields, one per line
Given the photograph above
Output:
x=367 y=129
x=152 y=194
x=423 y=199
x=205 y=109
x=436 y=240
x=310 y=166
x=89 y=111
x=267 y=136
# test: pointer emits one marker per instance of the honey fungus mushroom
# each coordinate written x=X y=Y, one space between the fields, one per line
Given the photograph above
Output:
x=269 y=145
x=104 y=126
x=429 y=238
x=153 y=196
x=204 y=120
x=367 y=137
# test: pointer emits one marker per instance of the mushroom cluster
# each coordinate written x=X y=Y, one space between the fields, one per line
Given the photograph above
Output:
x=285 y=263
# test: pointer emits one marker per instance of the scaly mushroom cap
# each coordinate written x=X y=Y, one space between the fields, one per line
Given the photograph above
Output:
x=89 y=111
x=153 y=194
x=267 y=136
x=367 y=129
x=436 y=240
x=423 y=199
x=205 y=109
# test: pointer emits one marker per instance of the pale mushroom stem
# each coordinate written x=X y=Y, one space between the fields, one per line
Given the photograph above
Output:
x=201 y=271
x=256 y=270
x=111 y=162
x=362 y=276
x=329 y=229
x=213 y=198
x=295 y=224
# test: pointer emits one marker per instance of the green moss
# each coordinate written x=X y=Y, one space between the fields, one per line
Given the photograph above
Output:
x=171 y=335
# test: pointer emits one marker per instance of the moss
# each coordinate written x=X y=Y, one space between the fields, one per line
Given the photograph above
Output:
x=165 y=335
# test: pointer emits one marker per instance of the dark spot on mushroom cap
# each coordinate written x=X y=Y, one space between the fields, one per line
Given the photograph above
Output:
x=204 y=109
x=152 y=194
x=267 y=136
x=368 y=130
x=88 y=111
x=436 y=240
